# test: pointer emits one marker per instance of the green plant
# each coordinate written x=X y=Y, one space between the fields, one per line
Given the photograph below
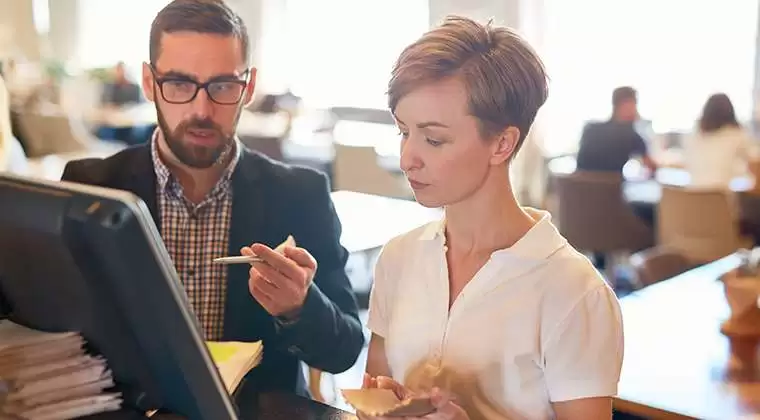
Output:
x=101 y=74
x=55 y=70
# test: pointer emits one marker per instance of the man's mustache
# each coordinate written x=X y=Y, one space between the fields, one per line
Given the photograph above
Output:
x=201 y=124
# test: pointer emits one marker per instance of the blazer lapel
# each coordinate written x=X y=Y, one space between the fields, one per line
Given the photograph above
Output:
x=243 y=315
x=140 y=178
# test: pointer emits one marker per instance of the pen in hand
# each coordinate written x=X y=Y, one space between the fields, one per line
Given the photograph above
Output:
x=245 y=259
x=240 y=259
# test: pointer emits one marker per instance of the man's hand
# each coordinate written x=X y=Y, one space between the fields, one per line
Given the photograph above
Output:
x=281 y=281
x=446 y=409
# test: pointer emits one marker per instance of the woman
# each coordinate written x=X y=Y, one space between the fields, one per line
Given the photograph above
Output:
x=720 y=149
x=491 y=305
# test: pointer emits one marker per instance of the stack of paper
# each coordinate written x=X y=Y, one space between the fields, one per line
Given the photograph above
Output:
x=48 y=376
x=234 y=360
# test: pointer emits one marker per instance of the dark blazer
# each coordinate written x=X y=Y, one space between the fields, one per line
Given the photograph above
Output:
x=271 y=200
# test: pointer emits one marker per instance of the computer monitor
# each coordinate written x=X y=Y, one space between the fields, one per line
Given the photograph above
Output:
x=88 y=259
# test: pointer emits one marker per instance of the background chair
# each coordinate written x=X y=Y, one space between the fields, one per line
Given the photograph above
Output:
x=702 y=235
x=659 y=263
x=54 y=134
x=594 y=217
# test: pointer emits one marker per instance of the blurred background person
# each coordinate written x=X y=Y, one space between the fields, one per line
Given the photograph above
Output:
x=119 y=93
x=609 y=145
x=720 y=148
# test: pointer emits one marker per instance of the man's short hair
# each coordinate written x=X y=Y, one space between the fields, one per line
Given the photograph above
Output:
x=622 y=95
x=201 y=16
x=505 y=79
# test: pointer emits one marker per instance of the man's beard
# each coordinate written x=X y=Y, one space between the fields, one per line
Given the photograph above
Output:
x=196 y=156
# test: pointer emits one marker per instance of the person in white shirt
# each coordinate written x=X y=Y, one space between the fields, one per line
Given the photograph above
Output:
x=720 y=148
x=489 y=310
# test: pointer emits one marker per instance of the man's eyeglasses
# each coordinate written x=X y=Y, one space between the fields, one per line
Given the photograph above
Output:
x=182 y=90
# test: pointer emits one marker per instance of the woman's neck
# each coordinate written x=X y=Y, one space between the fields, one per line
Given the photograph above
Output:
x=489 y=220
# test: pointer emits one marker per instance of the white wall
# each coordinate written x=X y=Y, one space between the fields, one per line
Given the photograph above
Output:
x=504 y=12
x=525 y=16
x=17 y=23
x=17 y=17
x=251 y=13
x=64 y=21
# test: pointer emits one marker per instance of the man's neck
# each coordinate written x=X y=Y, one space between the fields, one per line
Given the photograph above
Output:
x=622 y=119
x=196 y=182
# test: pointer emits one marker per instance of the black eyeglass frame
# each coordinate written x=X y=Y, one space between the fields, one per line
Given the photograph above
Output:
x=160 y=80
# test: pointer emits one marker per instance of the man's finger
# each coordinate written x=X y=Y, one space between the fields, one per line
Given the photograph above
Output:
x=274 y=277
x=255 y=273
x=278 y=261
x=267 y=291
x=301 y=256
x=256 y=287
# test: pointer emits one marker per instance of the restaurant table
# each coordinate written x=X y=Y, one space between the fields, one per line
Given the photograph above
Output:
x=675 y=355
x=649 y=190
x=640 y=187
x=370 y=221
x=303 y=144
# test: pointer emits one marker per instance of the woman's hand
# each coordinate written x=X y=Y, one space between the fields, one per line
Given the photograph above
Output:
x=445 y=407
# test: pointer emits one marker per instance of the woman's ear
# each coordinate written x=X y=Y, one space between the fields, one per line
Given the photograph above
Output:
x=505 y=145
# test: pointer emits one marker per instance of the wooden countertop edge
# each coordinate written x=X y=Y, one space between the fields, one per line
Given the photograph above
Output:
x=630 y=407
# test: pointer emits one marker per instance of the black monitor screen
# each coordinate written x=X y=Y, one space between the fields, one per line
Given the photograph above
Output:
x=88 y=259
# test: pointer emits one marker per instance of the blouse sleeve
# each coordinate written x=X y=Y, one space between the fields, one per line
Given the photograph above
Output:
x=584 y=355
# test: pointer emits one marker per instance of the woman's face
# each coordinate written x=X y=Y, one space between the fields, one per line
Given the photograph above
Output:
x=443 y=154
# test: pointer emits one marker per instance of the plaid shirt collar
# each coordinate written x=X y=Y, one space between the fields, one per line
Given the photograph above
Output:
x=167 y=182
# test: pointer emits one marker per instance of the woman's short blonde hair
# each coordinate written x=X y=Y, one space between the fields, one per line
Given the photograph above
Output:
x=505 y=79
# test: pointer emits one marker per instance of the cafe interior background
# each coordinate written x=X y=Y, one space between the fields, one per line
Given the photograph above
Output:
x=320 y=101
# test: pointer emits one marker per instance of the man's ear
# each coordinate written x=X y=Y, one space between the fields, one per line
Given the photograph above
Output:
x=249 y=88
x=148 y=82
x=505 y=145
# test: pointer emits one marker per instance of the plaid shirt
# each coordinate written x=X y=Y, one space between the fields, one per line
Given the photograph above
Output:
x=194 y=234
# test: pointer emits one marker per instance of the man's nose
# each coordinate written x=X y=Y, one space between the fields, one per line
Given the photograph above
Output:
x=203 y=106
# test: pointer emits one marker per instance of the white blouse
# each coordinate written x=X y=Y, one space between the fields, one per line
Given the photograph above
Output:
x=537 y=324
